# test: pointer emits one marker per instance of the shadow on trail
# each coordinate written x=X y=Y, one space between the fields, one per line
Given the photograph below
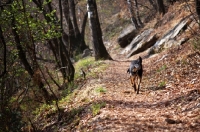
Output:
x=72 y=117
x=193 y=95
x=156 y=88
x=146 y=122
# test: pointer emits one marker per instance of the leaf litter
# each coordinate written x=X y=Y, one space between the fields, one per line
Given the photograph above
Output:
x=175 y=106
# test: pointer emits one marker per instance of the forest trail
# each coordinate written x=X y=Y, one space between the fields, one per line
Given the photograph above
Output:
x=169 y=99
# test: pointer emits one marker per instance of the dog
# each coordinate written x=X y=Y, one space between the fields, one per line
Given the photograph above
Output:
x=135 y=70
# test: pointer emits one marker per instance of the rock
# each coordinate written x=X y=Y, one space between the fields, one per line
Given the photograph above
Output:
x=172 y=43
x=168 y=40
x=86 y=52
x=126 y=36
x=171 y=121
x=143 y=45
x=72 y=60
x=140 y=43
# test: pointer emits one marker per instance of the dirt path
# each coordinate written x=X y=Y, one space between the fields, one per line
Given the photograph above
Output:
x=171 y=106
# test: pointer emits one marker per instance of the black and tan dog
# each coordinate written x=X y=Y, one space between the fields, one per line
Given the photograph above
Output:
x=135 y=70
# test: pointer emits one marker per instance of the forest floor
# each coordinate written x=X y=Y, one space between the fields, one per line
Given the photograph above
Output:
x=169 y=99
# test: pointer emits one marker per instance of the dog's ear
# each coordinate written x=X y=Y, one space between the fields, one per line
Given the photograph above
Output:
x=140 y=59
x=128 y=71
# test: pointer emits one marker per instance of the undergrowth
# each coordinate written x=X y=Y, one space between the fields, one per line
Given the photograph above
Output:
x=196 y=44
x=100 y=90
x=67 y=95
x=96 y=107
x=89 y=66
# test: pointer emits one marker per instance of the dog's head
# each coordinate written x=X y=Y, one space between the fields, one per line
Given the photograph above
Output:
x=135 y=66
x=132 y=70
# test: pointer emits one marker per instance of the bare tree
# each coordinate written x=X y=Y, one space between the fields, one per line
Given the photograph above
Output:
x=57 y=44
x=100 y=51
x=137 y=13
x=198 y=7
x=78 y=36
x=66 y=63
x=132 y=14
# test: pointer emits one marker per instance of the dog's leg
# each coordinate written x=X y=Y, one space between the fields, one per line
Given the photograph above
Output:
x=134 y=87
x=138 y=83
x=133 y=82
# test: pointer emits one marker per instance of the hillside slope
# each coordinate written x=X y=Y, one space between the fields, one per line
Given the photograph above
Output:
x=169 y=98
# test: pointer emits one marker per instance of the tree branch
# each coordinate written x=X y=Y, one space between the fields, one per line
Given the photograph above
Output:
x=4 y=53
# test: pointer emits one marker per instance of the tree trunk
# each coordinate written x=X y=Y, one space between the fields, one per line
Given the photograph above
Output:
x=74 y=33
x=4 y=52
x=73 y=16
x=71 y=32
x=153 y=4
x=100 y=51
x=198 y=7
x=133 y=19
x=35 y=75
x=83 y=27
x=137 y=13
x=57 y=44
x=161 y=7
x=66 y=63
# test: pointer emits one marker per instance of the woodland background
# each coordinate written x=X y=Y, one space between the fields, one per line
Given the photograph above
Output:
x=47 y=85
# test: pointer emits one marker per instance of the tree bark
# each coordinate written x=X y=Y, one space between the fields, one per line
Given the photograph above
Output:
x=100 y=51
x=161 y=7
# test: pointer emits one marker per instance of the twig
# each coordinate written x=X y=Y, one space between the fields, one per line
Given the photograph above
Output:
x=52 y=78
x=164 y=56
